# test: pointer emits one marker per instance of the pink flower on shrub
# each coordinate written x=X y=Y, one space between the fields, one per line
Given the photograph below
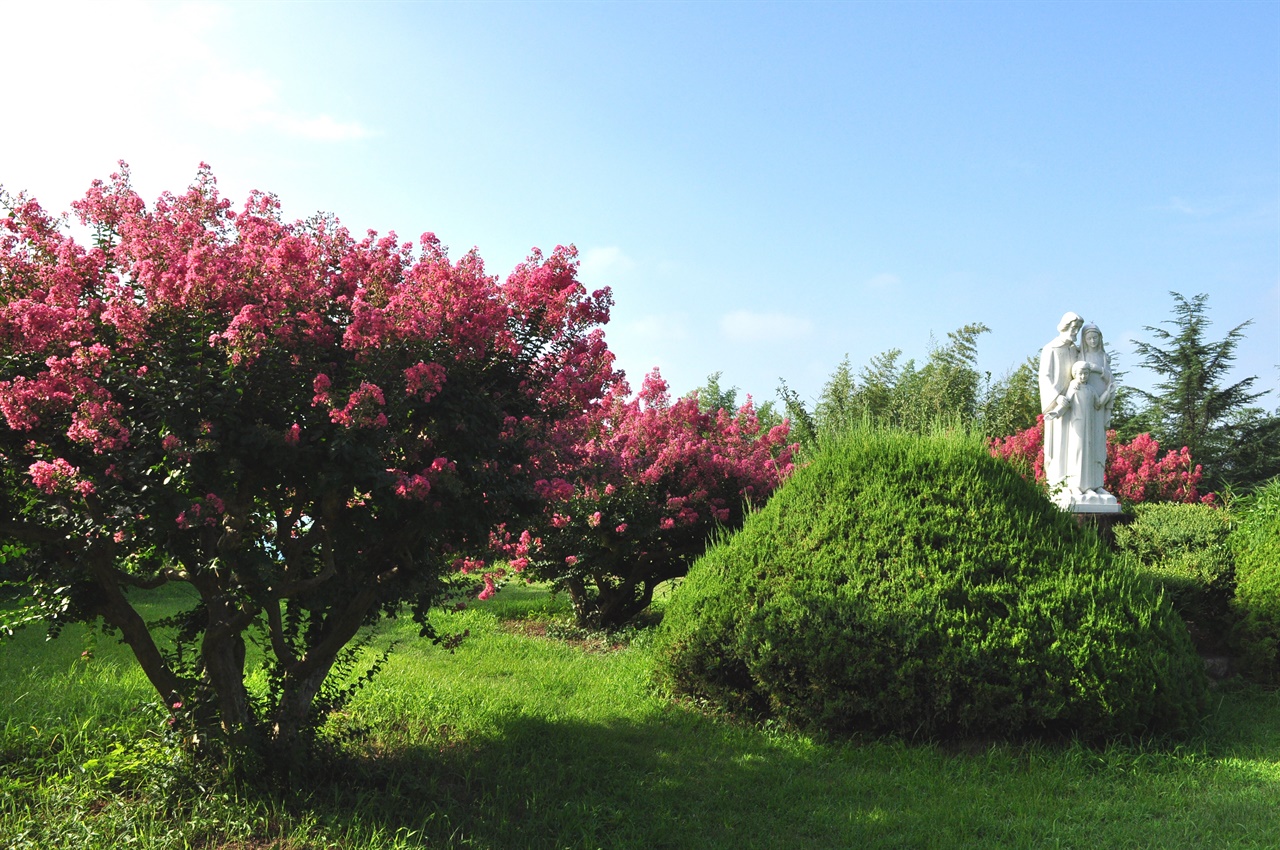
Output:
x=56 y=476
x=424 y=380
x=320 y=387
x=362 y=408
x=1135 y=471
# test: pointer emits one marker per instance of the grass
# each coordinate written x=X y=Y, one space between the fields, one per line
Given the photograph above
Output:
x=535 y=735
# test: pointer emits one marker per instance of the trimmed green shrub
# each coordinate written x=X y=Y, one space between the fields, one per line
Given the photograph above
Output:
x=1184 y=548
x=918 y=586
x=1256 y=543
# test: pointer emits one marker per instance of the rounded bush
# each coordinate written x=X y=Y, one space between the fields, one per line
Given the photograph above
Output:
x=918 y=586
x=1256 y=543
x=1184 y=549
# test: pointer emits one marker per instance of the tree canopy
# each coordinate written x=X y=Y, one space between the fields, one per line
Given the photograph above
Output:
x=304 y=427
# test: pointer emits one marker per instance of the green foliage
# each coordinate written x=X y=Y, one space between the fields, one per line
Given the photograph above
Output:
x=1190 y=404
x=1256 y=542
x=916 y=585
x=1254 y=453
x=948 y=388
x=712 y=397
x=1012 y=403
x=1184 y=548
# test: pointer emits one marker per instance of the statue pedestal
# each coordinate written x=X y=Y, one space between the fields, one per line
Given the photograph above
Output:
x=1103 y=523
x=1093 y=502
x=1097 y=509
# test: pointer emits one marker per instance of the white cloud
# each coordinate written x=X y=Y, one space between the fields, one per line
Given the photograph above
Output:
x=666 y=327
x=746 y=326
x=884 y=280
x=322 y=128
x=600 y=263
x=156 y=84
x=1185 y=207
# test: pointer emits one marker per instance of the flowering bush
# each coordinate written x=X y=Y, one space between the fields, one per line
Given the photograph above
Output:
x=1135 y=472
x=641 y=485
x=305 y=427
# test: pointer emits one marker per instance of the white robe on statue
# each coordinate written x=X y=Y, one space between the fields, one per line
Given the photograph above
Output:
x=1056 y=360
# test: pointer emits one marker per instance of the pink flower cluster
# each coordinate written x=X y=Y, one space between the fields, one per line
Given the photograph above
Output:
x=207 y=511
x=645 y=480
x=417 y=485
x=1135 y=471
x=59 y=476
x=363 y=408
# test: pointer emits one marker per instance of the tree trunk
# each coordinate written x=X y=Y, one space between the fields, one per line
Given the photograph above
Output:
x=116 y=611
x=222 y=652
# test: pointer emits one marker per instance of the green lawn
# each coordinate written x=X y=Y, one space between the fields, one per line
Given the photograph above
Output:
x=520 y=740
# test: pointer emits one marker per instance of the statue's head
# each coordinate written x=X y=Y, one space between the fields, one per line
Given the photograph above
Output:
x=1070 y=323
x=1091 y=336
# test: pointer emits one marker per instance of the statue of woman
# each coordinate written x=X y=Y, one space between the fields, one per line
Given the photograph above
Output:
x=1091 y=396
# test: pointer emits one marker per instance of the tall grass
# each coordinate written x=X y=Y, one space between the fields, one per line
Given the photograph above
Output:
x=519 y=739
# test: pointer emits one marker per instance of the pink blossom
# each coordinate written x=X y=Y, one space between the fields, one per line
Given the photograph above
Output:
x=594 y=519
x=621 y=529
x=424 y=380
x=571 y=560
x=1135 y=471
x=293 y=434
x=53 y=477
x=320 y=387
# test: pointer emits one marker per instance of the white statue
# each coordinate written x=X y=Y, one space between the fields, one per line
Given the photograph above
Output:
x=1076 y=395
x=1056 y=360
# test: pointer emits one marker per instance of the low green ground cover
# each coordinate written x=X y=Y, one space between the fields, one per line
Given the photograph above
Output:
x=533 y=734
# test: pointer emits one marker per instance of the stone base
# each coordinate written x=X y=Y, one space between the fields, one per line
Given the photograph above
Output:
x=1092 y=502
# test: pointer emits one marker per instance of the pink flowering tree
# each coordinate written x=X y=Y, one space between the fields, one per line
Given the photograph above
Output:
x=304 y=428
x=643 y=484
x=1136 y=471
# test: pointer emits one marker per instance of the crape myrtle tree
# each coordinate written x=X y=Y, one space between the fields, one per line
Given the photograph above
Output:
x=306 y=429
x=643 y=482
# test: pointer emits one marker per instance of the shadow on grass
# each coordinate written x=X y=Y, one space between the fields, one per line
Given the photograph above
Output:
x=682 y=781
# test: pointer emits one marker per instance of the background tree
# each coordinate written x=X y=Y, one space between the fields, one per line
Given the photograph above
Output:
x=948 y=387
x=304 y=429
x=712 y=397
x=645 y=484
x=1190 y=406
x=1012 y=403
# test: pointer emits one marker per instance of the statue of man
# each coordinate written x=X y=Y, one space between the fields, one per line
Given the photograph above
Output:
x=1056 y=360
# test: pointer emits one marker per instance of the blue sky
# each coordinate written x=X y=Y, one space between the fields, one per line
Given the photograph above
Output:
x=766 y=187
